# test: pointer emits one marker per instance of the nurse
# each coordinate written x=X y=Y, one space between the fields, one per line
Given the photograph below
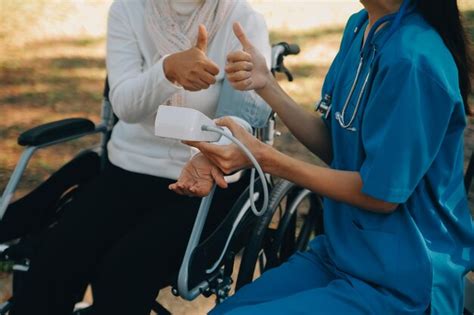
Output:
x=398 y=233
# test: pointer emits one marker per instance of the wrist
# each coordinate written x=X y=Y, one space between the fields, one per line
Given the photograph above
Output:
x=264 y=157
x=168 y=68
x=269 y=81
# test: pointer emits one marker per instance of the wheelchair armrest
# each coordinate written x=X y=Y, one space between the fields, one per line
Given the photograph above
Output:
x=54 y=131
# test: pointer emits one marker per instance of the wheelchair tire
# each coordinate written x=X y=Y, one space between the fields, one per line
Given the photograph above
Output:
x=300 y=222
x=271 y=246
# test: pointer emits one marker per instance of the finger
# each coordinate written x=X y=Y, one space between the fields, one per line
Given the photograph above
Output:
x=239 y=32
x=204 y=85
x=185 y=184
x=238 y=56
x=193 y=89
x=218 y=178
x=211 y=67
x=194 y=86
x=202 y=39
x=174 y=187
x=201 y=84
x=244 y=85
x=239 y=66
x=190 y=86
x=239 y=76
x=185 y=189
x=208 y=78
x=200 y=189
x=194 y=192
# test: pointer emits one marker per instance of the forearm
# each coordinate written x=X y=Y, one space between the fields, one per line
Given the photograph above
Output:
x=308 y=128
x=136 y=96
x=135 y=92
x=343 y=186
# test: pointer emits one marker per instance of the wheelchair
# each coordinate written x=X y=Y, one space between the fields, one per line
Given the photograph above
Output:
x=208 y=263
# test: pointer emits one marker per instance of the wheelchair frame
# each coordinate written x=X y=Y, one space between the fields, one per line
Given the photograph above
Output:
x=50 y=134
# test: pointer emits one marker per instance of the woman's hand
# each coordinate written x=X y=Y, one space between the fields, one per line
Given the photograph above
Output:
x=191 y=68
x=229 y=158
x=198 y=177
x=247 y=69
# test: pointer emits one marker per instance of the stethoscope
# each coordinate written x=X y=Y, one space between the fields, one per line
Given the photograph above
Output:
x=324 y=106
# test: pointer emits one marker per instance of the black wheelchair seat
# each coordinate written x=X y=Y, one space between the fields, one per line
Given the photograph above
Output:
x=209 y=253
x=41 y=207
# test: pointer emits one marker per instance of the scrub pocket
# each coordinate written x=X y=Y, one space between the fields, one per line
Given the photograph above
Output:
x=381 y=249
x=394 y=261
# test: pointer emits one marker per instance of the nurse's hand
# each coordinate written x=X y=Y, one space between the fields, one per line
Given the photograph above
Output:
x=198 y=177
x=229 y=158
x=192 y=69
x=247 y=69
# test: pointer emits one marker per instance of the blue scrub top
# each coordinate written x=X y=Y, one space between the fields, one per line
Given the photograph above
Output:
x=407 y=145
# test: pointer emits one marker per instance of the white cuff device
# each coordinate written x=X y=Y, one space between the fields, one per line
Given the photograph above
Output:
x=183 y=123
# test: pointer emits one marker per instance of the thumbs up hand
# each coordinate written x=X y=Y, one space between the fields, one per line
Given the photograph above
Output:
x=202 y=39
x=192 y=69
x=246 y=69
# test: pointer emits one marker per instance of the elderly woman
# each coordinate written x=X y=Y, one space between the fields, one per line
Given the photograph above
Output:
x=126 y=232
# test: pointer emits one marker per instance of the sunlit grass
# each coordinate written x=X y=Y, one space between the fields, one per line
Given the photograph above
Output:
x=43 y=82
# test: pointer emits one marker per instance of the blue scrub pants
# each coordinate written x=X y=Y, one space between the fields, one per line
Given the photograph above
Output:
x=306 y=284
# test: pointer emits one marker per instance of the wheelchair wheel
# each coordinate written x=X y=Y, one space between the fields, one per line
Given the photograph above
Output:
x=299 y=218
x=294 y=216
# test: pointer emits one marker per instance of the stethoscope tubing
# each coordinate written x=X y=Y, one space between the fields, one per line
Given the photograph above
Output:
x=325 y=105
x=340 y=116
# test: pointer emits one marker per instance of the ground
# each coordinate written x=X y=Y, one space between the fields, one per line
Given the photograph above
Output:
x=45 y=80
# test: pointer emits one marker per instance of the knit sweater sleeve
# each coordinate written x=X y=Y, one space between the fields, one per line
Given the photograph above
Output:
x=135 y=93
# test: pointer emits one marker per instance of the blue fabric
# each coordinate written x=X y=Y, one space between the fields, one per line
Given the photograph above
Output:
x=246 y=105
x=307 y=284
x=407 y=144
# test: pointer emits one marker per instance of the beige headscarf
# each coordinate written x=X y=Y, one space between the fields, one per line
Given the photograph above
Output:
x=169 y=36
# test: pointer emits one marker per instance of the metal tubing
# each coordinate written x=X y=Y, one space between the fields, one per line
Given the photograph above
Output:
x=15 y=179
x=183 y=277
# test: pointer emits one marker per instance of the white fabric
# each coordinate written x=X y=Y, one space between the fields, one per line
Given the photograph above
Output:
x=138 y=86
x=170 y=35
x=172 y=32
x=185 y=7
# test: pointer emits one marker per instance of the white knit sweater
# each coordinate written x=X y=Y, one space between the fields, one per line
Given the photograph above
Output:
x=138 y=86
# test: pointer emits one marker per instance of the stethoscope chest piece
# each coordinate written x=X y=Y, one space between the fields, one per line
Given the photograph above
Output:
x=324 y=106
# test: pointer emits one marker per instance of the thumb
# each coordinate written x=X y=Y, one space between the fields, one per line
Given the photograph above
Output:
x=202 y=39
x=240 y=33
x=228 y=122
x=218 y=178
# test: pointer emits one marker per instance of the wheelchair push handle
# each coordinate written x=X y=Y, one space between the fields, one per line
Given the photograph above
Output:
x=291 y=49
x=279 y=52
